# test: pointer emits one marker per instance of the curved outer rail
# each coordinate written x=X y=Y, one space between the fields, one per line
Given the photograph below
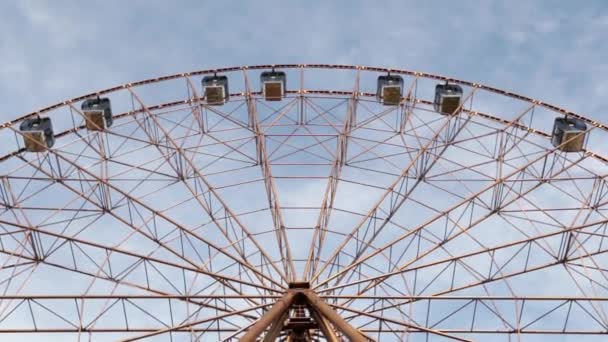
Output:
x=306 y=91
x=313 y=66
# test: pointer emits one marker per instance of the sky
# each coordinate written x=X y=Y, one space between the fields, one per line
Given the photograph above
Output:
x=553 y=51
x=548 y=50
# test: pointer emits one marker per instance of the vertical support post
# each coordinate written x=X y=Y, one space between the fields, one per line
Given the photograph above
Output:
x=327 y=330
x=276 y=312
x=324 y=310
x=323 y=314
x=276 y=328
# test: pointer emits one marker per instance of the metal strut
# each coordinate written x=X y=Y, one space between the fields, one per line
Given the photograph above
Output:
x=322 y=317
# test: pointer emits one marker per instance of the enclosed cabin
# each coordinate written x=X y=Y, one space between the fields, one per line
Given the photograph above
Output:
x=447 y=98
x=215 y=89
x=37 y=134
x=390 y=90
x=97 y=113
x=273 y=84
x=569 y=134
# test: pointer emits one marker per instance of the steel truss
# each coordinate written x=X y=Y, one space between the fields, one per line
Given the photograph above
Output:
x=190 y=221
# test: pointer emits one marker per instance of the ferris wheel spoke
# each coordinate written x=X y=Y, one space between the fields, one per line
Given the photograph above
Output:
x=484 y=281
x=483 y=266
x=332 y=185
x=212 y=194
x=465 y=205
x=76 y=313
x=422 y=161
x=409 y=325
x=271 y=190
x=191 y=324
x=112 y=270
x=508 y=312
x=128 y=222
x=126 y=275
x=477 y=314
x=583 y=273
x=11 y=302
x=465 y=231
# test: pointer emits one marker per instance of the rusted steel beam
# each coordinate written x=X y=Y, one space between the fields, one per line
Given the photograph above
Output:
x=324 y=325
x=336 y=320
x=320 y=312
x=276 y=312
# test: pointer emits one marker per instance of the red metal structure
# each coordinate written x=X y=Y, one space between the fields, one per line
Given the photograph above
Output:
x=329 y=206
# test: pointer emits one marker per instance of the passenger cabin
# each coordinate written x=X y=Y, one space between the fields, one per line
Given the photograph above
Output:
x=215 y=89
x=273 y=85
x=447 y=98
x=569 y=134
x=97 y=113
x=37 y=134
x=390 y=90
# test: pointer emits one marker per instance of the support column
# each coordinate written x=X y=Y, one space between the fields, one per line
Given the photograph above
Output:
x=300 y=293
x=275 y=313
x=336 y=320
x=326 y=329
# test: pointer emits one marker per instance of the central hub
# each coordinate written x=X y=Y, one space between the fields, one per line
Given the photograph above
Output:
x=300 y=285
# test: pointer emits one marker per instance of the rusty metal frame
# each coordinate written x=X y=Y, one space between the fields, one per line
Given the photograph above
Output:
x=274 y=318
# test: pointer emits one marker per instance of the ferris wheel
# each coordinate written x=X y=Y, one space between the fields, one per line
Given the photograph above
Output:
x=303 y=203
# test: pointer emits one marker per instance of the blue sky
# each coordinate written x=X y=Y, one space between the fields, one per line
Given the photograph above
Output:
x=549 y=50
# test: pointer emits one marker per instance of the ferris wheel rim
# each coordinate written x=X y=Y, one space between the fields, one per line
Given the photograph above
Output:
x=408 y=72
x=307 y=93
